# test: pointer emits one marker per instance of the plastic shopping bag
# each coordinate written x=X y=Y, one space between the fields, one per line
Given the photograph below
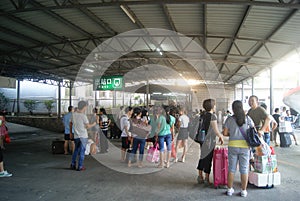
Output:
x=153 y=154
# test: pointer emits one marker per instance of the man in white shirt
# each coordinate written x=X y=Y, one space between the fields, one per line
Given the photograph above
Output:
x=79 y=122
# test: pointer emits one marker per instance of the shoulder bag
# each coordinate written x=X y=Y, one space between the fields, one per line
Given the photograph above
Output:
x=251 y=136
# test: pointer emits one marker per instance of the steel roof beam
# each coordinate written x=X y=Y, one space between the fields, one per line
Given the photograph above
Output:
x=104 y=37
x=290 y=5
x=95 y=18
x=291 y=14
x=61 y=19
x=237 y=33
x=204 y=27
x=40 y=30
x=167 y=14
x=27 y=38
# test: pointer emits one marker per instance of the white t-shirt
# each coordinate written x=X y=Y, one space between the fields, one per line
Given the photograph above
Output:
x=184 y=121
x=88 y=147
x=124 y=122
x=79 y=120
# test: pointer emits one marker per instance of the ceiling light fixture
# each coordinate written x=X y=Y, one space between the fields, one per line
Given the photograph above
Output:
x=89 y=70
x=127 y=13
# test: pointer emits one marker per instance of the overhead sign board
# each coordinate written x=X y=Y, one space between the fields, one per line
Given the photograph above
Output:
x=7 y=82
x=103 y=83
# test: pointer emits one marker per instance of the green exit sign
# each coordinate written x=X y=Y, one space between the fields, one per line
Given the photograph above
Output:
x=108 y=83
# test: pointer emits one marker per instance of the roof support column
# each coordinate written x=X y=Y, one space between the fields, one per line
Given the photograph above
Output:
x=18 y=97
x=252 y=87
x=70 y=94
x=271 y=91
x=115 y=98
x=234 y=94
x=96 y=95
x=59 y=100
x=147 y=87
x=242 y=91
x=123 y=97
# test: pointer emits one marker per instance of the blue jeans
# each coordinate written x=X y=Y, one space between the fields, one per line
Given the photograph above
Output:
x=161 y=142
x=80 y=144
x=267 y=138
x=136 y=143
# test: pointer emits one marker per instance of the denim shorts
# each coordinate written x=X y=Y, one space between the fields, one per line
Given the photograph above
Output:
x=161 y=142
x=238 y=156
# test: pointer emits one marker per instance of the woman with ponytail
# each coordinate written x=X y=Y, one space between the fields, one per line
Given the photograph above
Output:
x=238 y=149
x=164 y=132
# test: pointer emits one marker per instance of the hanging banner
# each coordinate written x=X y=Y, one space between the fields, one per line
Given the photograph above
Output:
x=103 y=83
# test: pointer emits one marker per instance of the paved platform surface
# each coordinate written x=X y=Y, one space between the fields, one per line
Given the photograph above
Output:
x=40 y=175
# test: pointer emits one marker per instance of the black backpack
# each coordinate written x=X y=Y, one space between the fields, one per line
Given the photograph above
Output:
x=200 y=132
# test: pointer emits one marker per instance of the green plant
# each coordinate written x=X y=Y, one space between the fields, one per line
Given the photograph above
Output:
x=3 y=101
x=49 y=105
x=30 y=105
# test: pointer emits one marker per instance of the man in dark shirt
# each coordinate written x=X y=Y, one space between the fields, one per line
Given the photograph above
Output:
x=276 y=116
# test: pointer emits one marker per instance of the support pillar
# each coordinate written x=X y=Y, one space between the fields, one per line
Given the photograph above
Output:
x=18 y=97
x=242 y=92
x=59 y=101
x=252 y=87
x=271 y=91
x=70 y=94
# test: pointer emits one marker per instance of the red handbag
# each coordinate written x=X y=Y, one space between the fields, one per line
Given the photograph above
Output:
x=7 y=138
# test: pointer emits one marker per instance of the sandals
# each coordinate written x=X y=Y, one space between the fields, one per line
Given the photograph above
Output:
x=200 y=180
x=206 y=182
x=160 y=166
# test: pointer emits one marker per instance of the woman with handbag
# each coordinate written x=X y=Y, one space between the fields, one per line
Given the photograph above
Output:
x=3 y=132
x=164 y=133
x=238 y=149
x=207 y=147
x=138 y=141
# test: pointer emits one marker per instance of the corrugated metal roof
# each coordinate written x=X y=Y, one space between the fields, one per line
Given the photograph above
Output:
x=115 y=18
x=80 y=20
x=188 y=19
x=261 y=22
x=290 y=31
x=29 y=33
x=46 y=22
x=266 y=34
x=224 y=19
x=151 y=16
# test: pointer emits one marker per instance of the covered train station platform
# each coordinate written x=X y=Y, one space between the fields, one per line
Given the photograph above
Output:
x=201 y=49
x=40 y=175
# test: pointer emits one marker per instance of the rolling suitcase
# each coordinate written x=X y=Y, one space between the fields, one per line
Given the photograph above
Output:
x=57 y=147
x=220 y=166
x=285 y=139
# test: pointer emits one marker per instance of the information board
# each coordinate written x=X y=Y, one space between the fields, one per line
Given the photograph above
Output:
x=108 y=83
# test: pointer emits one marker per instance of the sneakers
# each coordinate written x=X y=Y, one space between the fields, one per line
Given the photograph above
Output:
x=230 y=191
x=244 y=193
x=5 y=174
x=81 y=169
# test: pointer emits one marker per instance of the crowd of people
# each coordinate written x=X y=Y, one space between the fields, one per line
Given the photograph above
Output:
x=165 y=122
x=169 y=125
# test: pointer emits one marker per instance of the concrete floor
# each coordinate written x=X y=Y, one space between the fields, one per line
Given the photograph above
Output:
x=39 y=175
